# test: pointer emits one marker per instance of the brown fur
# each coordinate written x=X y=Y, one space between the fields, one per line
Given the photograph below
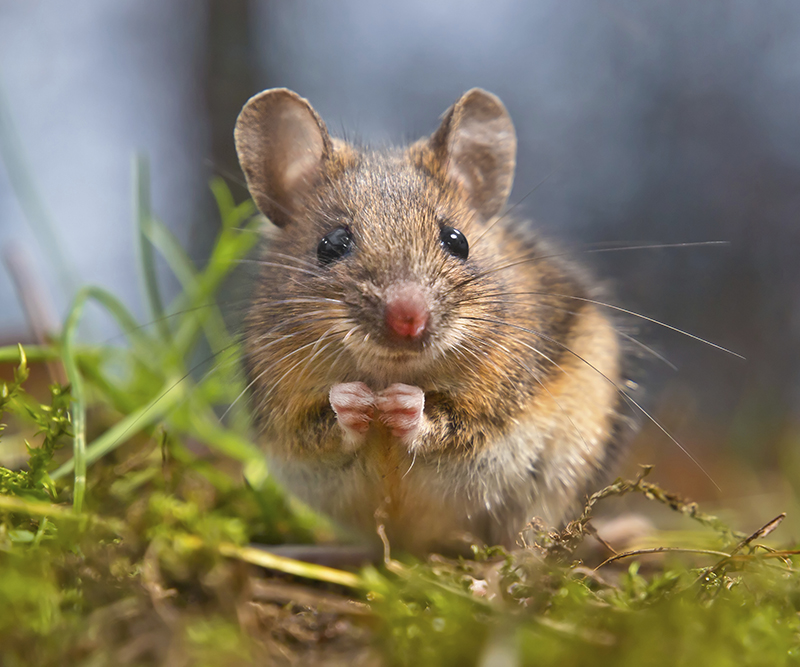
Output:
x=521 y=407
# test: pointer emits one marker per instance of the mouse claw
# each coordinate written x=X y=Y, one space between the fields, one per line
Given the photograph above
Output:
x=401 y=409
x=353 y=403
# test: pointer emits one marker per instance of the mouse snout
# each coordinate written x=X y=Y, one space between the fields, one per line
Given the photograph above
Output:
x=407 y=311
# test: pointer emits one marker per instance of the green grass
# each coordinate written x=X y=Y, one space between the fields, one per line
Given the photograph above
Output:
x=126 y=537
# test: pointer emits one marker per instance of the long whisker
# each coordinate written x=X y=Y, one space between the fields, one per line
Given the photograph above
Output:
x=305 y=316
x=299 y=260
x=307 y=299
x=637 y=315
x=532 y=256
x=168 y=316
x=619 y=332
x=236 y=360
x=621 y=391
x=542 y=384
x=336 y=354
x=650 y=246
x=604 y=247
x=261 y=262
x=282 y=377
x=341 y=351
x=308 y=361
x=169 y=389
x=647 y=348
x=632 y=339
x=269 y=368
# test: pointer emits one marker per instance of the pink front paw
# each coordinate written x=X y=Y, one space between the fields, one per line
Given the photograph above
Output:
x=353 y=404
x=400 y=407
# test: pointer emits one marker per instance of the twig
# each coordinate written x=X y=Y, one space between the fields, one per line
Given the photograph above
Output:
x=658 y=550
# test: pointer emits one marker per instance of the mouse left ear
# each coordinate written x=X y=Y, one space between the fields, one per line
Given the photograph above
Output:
x=476 y=146
x=282 y=146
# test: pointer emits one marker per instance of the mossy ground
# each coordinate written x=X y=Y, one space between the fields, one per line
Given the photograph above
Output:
x=126 y=521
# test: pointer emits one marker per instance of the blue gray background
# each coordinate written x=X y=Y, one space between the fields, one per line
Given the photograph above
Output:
x=656 y=122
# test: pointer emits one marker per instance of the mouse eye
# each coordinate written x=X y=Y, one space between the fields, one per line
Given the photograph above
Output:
x=334 y=245
x=454 y=242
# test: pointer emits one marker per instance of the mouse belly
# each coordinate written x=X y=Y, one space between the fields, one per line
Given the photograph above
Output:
x=380 y=484
x=436 y=502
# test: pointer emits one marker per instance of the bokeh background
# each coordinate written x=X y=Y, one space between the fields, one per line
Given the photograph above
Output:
x=657 y=122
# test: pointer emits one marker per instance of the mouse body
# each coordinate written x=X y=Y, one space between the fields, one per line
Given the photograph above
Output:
x=412 y=350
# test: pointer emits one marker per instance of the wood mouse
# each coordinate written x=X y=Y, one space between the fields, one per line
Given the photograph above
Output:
x=412 y=350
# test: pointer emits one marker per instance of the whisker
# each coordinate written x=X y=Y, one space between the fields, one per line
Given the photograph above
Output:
x=632 y=339
x=652 y=246
x=532 y=256
x=168 y=316
x=637 y=315
x=261 y=349
x=299 y=260
x=236 y=360
x=598 y=248
x=305 y=316
x=542 y=384
x=171 y=388
x=261 y=262
x=622 y=392
x=336 y=360
x=647 y=348
x=413 y=461
x=266 y=370
x=295 y=351
x=336 y=354
x=350 y=333
x=282 y=377
x=308 y=361
x=307 y=299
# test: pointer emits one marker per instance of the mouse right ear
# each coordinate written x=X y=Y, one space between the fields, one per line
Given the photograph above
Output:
x=282 y=144
x=476 y=146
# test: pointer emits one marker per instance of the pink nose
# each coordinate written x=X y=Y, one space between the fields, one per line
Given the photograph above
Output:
x=407 y=311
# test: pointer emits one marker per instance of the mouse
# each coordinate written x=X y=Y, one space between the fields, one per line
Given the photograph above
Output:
x=418 y=357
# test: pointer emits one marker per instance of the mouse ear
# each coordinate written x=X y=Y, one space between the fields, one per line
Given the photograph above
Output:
x=476 y=146
x=282 y=144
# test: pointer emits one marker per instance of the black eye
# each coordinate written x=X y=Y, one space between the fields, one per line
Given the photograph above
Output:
x=334 y=246
x=454 y=242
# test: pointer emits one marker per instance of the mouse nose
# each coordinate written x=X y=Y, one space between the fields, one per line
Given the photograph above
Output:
x=407 y=311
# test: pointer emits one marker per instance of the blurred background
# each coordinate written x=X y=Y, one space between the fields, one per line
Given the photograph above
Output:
x=662 y=122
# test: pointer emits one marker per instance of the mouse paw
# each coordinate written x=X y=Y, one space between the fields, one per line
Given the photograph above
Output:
x=400 y=407
x=353 y=404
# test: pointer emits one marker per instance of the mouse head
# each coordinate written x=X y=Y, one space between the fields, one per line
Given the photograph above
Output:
x=384 y=235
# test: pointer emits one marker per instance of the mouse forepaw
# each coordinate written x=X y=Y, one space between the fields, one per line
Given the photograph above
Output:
x=353 y=403
x=401 y=409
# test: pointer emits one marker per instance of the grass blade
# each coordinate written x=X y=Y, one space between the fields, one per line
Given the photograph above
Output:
x=78 y=397
x=131 y=424
x=142 y=214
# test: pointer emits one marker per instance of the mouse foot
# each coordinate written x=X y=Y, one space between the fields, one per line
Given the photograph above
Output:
x=400 y=407
x=353 y=403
